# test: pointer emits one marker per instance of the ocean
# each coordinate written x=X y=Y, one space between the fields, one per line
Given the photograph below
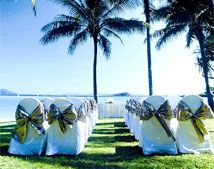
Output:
x=8 y=105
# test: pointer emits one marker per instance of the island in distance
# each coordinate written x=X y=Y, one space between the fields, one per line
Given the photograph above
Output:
x=7 y=92
x=124 y=94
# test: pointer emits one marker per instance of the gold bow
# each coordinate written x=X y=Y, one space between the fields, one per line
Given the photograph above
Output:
x=67 y=116
x=136 y=107
x=81 y=113
x=127 y=106
x=164 y=112
x=92 y=104
x=183 y=113
x=22 y=120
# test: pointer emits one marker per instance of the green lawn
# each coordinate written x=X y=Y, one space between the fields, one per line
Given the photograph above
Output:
x=110 y=146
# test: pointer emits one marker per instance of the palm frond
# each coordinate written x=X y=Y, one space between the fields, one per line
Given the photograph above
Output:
x=189 y=37
x=167 y=34
x=160 y=14
x=73 y=6
x=110 y=33
x=121 y=25
x=78 y=39
x=66 y=18
x=105 y=45
x=55 y=30
x=117 y=6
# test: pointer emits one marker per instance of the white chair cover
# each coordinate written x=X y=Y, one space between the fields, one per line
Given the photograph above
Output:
x=126 y=112
x=137 y=127
x=72 y=141
x=90 y=115
x=46 y=103
x=153 y=138
x=187 y=138
x=34 y=143
x=78 y=102
x=94 y=111
x=138 y=121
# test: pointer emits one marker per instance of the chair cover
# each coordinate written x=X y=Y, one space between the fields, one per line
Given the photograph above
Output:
x=46 y=104
x=138 y=121
x=81 y=108
x=29 y=136
x=93 y=110
x=90 y=115
x=66 y=132
x=126 y=112
x=156 y=133
x=134 y=109
x=192 y=135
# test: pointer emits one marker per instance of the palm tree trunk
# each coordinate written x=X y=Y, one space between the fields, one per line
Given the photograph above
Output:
x=95 y=70
x=201 y=39
x=147 y=13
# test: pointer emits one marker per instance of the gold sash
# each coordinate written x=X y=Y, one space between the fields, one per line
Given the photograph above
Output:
x=66 y=117
x=92 y=104
x=22 y=120
x=81 y=113
x=183 y=113
x=164 y=112
x=134 y=107
x=127 y=106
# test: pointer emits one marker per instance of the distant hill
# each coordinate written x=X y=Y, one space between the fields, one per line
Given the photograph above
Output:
x=7 y=92
x=125 y=94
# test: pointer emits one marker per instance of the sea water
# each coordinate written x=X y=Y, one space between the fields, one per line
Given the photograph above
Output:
x=8 y=104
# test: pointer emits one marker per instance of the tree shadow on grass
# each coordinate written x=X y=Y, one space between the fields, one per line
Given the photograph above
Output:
x=81 y=161
x=129 y=151
x=104 y=124
x=91 y=160
x=125 y=138
x=5 y=138
x=122 y=131
x=101 y=140
x=103 y=131
x=8 y=128
x=4 y=150
x=119 y=124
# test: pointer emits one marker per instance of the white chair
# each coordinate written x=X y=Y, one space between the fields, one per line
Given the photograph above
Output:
x=191 y=137
x=126 y=112
x=134 y=105
x=138 y=121
x=93 y=110
x=46 y=104
x=156 y=136
x=29 y=136
x=83 y=115
x=66 y=134
x=90 y=115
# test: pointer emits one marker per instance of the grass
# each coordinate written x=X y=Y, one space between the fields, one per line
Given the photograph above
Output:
x=110 y=146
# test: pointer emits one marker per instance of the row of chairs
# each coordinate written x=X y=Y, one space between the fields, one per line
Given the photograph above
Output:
x=50 y=127
x=159 y=129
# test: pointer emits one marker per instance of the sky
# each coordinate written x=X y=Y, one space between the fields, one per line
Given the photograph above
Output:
x=26 y=66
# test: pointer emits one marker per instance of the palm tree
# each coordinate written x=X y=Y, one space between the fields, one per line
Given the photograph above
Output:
x=209 y=50
x=94 y=19
x=147 y=11
x=193 y=16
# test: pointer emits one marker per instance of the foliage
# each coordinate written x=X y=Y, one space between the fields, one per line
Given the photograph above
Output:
x=209 y=49
x=195 y=17
x=96 y=19
x=110 y=146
